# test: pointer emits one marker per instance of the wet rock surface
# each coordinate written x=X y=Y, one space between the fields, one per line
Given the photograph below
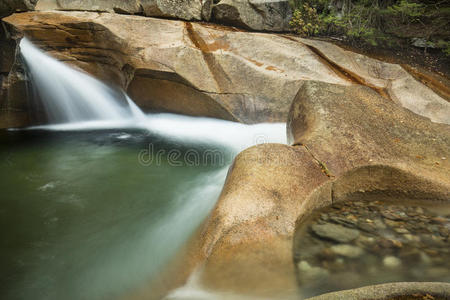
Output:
x=395 y=242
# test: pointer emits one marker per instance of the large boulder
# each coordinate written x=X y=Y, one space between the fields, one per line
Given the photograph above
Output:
x=180 y=9
x=397 y=290
x=179 y=66
x=177 y=9
x=259 y=15
x=8 y=7
x=346 y=128
x=346 y=141
x=15 y=110
x=210 y=70
x=247 y=241
x=390 y=80
x=119 y=6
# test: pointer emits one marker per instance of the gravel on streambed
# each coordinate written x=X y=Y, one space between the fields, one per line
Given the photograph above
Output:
x=352 y=244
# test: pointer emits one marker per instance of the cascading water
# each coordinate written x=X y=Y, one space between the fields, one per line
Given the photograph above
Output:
x=77 y=101
x=72 y=96
x=101 y=222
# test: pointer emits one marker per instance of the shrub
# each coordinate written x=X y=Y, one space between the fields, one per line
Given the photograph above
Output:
x=306 y=21
x=374 y=22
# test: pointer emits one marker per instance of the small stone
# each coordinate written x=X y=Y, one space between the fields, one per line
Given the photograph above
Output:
x=367 y=227
x=311 y=273
x=433 y=240
x=335 y=232
x=343 y=221
x=391 y=262
x=347 y=250
x=425 y=258
x=373 y=208
x=326 y=255
x=379 y=224
x=391 y=215
x=412 y=238
x=304 y=266
x=366 y=240
x=390 y=243
x=397 y=243
x=324 y=217
x=439 y=220
x=444 y=232
x=391 y=223
x=401 y=230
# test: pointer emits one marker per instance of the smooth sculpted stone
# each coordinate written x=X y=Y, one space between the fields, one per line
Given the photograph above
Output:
x=392 y=81
x=347 y=141
x=181 y=67
x=177 y=9
x=261 y=15
x=347 y=250
x=397 y=290
x=368 y=143
x=335 y=232
x=248 y=238
x=209 y=70
x=392 y=262
x=120 y=6
x=312 y=273
x=180 y=9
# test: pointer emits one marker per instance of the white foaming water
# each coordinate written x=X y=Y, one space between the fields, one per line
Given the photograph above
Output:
x=77 y=101
x=69 y=95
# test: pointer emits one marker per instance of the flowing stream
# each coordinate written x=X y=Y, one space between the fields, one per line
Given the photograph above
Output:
x=95 y=203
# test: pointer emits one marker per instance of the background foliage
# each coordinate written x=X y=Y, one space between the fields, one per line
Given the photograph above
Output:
x=425 y=23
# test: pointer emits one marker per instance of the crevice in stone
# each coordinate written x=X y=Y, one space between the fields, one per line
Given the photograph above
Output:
x=321 y=164
x=436 y=85
x=218 y=74
x=347 y=74
x=332 y=197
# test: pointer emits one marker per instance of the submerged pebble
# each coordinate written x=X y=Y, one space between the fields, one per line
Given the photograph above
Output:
x=353 y=244
x=391 y=262
x=336 y=233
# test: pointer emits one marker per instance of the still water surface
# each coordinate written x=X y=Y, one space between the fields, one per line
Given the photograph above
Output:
x=82 y=218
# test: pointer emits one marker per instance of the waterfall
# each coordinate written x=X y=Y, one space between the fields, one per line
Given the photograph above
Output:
x=76 y=101
x=69 y=95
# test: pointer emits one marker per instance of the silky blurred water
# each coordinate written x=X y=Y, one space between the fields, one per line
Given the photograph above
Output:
x=81 y=218
x=94 y=204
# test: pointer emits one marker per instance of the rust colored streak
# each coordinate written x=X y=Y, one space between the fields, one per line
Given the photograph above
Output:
x=440 y=86
x=222 y=27
x=347 y=74
x=215 y=69
x=275 y=69
x=257 y=63
x=218 y=44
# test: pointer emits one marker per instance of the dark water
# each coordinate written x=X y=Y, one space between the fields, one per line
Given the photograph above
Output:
x=82 y=218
